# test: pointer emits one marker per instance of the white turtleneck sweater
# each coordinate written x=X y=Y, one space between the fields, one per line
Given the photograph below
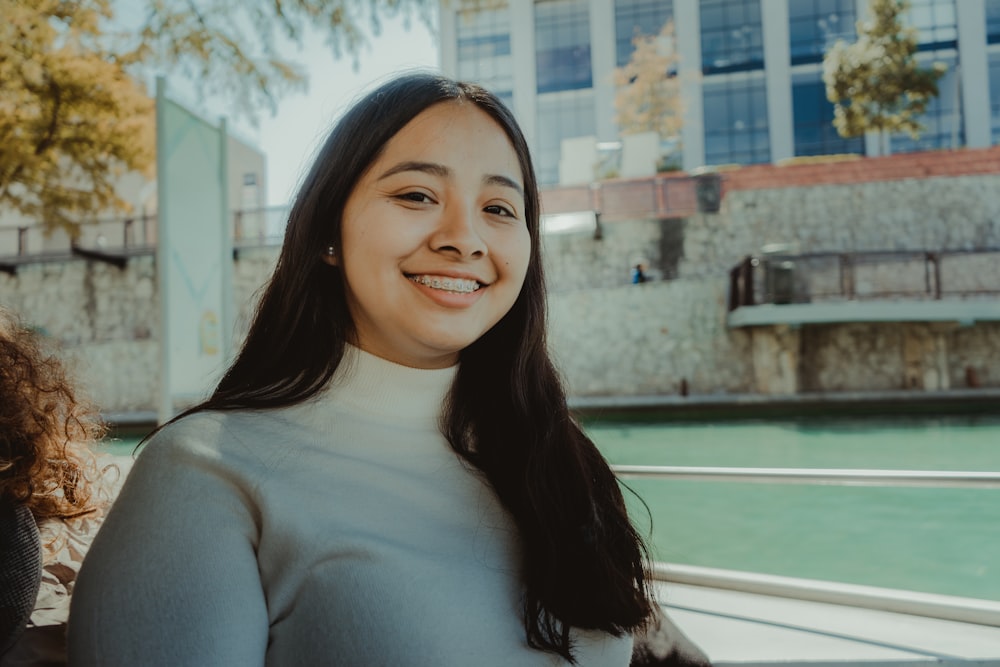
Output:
x=341 y=531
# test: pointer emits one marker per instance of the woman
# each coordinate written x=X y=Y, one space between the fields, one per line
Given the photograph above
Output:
x=387 y=473
x=50 y=495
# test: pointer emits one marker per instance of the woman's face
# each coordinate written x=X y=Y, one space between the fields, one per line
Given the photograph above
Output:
x=434 y=242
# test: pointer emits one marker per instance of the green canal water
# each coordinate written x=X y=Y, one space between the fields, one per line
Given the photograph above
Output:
x=924 y=539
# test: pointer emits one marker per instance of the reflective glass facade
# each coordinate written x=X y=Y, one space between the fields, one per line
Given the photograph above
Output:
x=730 y=71
x=638 y=17
x=814 y=26
x=993 y=21
x=731 y=35
x=942 y=121
x=736 y=120
x=936 y=21
x=993 y=38
x=995 y=96
x=483 y=48
x=561 y=116
x=562 y=45
x=813 y=113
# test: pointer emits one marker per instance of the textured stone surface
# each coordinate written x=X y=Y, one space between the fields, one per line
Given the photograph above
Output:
x=613 y=338
x=647 y=339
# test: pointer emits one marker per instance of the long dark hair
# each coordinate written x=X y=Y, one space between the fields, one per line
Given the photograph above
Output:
x=583 y=562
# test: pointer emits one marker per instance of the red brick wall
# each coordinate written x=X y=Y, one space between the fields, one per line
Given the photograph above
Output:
x=661 y=196
x=672 y=195
x=961 y=162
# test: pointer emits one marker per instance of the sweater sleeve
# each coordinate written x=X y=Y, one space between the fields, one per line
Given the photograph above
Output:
x=172 y=577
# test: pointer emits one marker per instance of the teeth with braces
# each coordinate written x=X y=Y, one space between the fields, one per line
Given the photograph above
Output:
x=459 y=285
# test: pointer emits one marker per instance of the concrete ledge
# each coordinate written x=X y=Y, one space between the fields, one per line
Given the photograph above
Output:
x=740 y=629
x=847 y=403
x=948 y=607
x=952 y=401
x=793 y=314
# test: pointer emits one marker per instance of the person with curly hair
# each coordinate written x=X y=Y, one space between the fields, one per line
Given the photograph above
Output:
x=51 y=494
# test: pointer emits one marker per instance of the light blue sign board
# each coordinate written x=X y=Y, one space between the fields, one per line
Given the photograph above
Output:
x=194 y=253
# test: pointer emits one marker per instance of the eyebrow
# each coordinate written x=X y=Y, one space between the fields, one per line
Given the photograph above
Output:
x=442 y=171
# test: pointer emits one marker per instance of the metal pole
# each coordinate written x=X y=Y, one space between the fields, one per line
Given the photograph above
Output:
x=817 y=476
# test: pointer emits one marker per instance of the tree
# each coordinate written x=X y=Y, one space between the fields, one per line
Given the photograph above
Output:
x=649 y=96
x=875 y=83
x=71 y=119
x=75 y=115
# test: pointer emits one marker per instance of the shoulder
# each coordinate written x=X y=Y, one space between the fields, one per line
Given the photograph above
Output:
x=240 y=447
x=237 y=435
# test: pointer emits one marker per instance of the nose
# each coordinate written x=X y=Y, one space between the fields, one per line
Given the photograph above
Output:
x=458 y=232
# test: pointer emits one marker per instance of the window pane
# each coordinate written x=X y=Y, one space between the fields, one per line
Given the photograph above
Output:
x=813 y=120
x=560 y=116
x=484 y=49
x=942 y=125
x=731 y=35
x=935 y=20
x=814 y=25
x=644 y=17
x=993 y=21
x=735 y=119
x=995 y=96
x=562 y=44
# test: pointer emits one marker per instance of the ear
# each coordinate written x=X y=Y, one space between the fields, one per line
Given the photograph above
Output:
x=330 y=256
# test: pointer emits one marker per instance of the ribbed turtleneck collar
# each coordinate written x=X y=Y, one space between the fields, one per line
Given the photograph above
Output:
x=371 y=385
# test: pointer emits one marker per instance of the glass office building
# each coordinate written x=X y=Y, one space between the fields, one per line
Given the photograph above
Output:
x=751 y=71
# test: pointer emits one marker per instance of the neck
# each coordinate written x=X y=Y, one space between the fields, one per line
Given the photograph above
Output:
x=370 y=385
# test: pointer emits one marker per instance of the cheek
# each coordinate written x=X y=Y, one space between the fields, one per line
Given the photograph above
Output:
x=517 y=255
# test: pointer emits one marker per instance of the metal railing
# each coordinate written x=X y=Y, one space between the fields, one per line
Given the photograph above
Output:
x=931 y=605
x=828 y=476
x=847 y=276
x=118 y=238
x=133 y=233
x=948 y=607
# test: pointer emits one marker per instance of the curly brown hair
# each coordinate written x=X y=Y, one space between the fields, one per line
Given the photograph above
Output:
x=45 y=430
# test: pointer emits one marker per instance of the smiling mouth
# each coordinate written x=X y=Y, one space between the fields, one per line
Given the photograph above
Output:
x=446 y=284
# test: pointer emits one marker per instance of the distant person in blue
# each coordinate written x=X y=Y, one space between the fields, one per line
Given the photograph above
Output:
x=388 y=473
x=638 y=276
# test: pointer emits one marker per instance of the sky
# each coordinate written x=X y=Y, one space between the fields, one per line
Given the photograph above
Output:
x=290 y=138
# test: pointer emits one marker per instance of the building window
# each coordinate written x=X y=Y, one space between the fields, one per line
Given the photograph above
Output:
x=814 y=25
x=995 y=96
x=484 y=49
x=813 y=118
x=562 y=39
x=993 y=21
x=638 y=17
x=942 y=122
x=731 y=36
x=736 y=120
x=561 y=116
x=936 y=22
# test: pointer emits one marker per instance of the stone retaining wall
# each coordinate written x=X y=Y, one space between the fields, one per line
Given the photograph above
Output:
x=609 y=337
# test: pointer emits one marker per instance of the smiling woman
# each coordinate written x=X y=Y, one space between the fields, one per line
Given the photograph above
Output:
x=388 y=473
x=435 y=242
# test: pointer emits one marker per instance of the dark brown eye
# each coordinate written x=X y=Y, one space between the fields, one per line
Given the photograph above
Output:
x=416 y=197
x=496 y=209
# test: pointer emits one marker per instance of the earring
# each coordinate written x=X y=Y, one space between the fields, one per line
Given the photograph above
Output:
x=330 y=255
